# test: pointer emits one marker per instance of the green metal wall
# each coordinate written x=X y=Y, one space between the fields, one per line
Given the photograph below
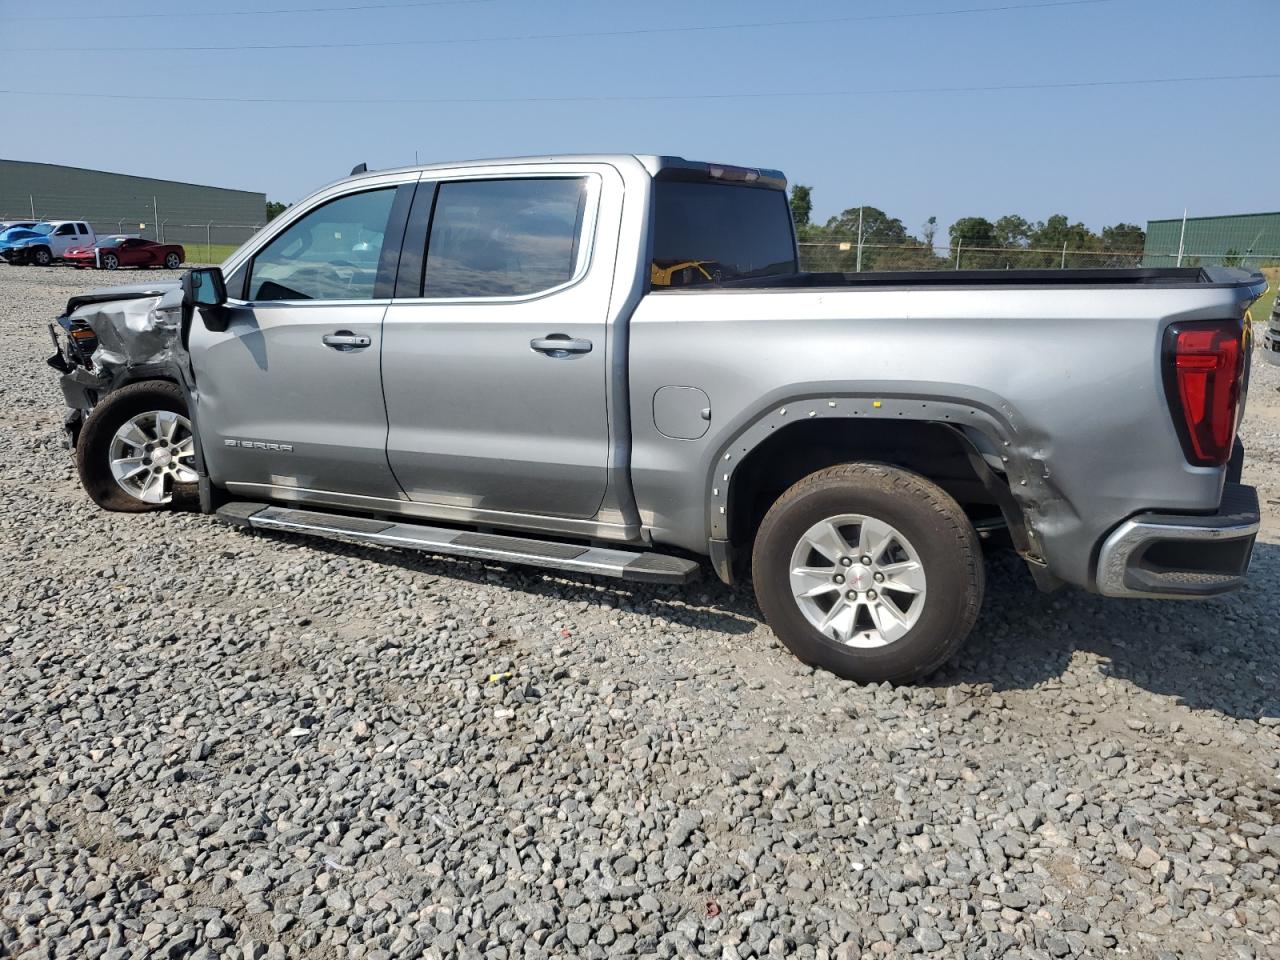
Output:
x=118 y=203
x=1247 y=240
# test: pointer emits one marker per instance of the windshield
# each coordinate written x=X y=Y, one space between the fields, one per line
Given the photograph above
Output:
x=110 y=241
x=706 y=232
x=44 y=229
x=18 y=233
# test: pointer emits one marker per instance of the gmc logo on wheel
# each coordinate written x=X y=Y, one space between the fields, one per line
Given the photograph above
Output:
x=259 y=445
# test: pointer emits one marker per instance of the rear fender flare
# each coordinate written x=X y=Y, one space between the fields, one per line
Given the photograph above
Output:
x=994 y=421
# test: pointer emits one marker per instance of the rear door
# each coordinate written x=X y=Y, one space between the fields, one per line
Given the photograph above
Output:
x=493 y=353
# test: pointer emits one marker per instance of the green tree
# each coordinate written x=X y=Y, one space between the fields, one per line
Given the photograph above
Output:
x=929 y=232
x=1048 y=239
x=1011 y=231
x=801 y=204
x=275 y=208
x=1123 y=244
x=974 y=238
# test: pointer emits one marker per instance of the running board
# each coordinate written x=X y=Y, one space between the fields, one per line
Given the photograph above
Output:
x=626 y=564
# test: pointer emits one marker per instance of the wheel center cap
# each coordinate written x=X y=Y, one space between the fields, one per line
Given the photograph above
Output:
x=161 y=458
x=862 y=578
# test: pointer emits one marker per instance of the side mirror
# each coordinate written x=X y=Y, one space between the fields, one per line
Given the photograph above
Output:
x=205 y=288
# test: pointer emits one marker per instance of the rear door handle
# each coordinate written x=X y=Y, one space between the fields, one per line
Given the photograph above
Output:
x=346 y=340
x=560 y=345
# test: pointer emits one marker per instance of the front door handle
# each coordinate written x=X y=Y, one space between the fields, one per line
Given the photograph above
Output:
x=346 y=340
x=560 y=345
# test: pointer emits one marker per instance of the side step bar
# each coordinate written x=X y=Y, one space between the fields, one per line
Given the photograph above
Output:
x=625 y=564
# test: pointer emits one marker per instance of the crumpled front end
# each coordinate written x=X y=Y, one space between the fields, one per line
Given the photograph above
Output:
x=111 y=337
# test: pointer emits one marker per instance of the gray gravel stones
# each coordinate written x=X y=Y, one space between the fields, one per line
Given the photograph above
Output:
x=218 y=745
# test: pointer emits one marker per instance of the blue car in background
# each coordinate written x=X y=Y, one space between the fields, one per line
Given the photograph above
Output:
x=14 y=243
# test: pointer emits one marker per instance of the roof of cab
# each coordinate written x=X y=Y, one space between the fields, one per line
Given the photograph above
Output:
x=657 y=167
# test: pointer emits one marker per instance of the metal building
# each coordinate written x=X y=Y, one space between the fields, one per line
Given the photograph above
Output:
x=1249 y=240
x=186 y=213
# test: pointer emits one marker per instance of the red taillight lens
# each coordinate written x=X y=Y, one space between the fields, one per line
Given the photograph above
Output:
x=1204 y=367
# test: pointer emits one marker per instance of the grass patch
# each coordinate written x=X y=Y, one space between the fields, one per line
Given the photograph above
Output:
x=212 y=254
x=1266 y=303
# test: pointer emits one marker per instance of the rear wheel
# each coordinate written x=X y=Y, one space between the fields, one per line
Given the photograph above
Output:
x=172 y=261
x=869 y=571
x=136 y=451
x=110 y=261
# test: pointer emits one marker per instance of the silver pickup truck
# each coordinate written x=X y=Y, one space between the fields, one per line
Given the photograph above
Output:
x=613 y=365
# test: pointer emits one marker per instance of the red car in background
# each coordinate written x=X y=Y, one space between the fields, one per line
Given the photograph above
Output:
x=110 y=253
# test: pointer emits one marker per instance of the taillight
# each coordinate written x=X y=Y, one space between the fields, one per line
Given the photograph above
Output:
x=1203 y=374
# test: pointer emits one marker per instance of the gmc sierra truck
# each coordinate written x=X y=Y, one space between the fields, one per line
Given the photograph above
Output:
x=613 y=365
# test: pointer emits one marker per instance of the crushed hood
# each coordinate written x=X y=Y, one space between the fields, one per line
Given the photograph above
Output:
x=137 y=325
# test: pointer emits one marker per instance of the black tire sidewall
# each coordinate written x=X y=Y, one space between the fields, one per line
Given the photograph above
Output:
x=94 y=445
x=950 y=583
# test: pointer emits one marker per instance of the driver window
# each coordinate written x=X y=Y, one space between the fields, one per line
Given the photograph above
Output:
x=331 y=253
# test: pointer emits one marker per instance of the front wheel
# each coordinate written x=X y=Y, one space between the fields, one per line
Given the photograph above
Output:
x=869 y=571
x=110 y=261
x=137 y=451
x=42 y=256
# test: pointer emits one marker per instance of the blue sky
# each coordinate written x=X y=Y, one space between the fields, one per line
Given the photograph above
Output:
x=1098 y=154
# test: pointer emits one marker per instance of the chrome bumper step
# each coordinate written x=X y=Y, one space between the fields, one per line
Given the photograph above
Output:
x=571 y=557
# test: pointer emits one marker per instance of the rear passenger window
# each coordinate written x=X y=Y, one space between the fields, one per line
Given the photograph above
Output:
x=504 y=238
x=330 y=253
x=84 y=229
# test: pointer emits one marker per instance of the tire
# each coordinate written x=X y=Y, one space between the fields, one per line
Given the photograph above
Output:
x=110 y=261
x=40 y=256
x=172 y=261
x=922 y=540
x=104 y=441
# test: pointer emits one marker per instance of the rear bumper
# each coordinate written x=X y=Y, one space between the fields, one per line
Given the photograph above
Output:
x=1182 y=556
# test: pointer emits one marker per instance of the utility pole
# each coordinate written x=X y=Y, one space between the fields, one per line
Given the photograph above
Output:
x=959 y=246
x=33 y=205
x=859 y=270
x=1182 y=237
x=1064 y=254
x=155 y=211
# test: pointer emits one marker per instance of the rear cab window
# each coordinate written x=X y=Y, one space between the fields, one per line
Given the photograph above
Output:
x=706 y=232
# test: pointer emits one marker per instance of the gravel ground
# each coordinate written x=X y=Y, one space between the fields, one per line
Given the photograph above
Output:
x=220 y=745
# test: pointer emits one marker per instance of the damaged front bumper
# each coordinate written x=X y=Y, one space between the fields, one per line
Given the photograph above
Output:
x=111 y=337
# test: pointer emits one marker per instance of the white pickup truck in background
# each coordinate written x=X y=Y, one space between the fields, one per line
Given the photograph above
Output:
x=50 y=241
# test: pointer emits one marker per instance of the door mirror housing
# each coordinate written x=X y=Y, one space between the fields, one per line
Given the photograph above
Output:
x=205 y=288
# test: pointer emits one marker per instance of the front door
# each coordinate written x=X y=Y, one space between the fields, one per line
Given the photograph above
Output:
x=495 y=377
x=290 y=395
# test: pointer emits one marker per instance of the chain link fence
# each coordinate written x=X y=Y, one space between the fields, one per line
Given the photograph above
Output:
x=205 y=241
x=841 y=255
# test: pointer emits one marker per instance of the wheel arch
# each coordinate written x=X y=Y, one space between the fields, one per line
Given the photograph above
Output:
x=954 y=442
